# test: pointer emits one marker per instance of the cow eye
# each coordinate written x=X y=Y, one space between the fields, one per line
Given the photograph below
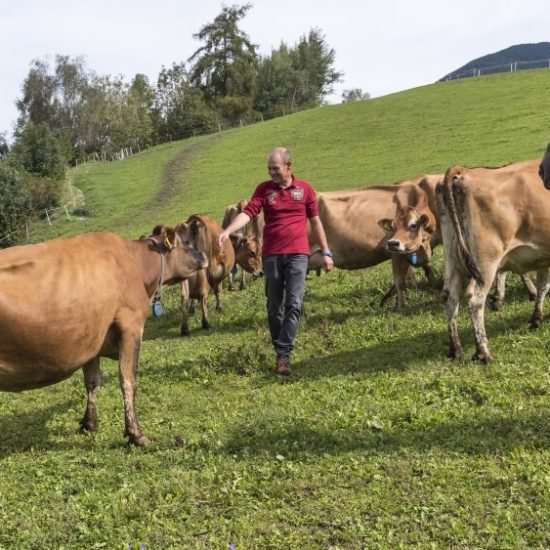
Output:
x=413 y=226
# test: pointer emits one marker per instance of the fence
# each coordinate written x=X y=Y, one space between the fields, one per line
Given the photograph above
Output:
x=512 y=67
x=189 y=132
x=48 y=214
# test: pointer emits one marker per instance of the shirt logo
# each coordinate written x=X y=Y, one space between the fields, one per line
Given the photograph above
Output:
x=271 y=198
x=297 y=193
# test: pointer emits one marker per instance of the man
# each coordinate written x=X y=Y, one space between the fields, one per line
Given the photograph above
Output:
x=287 y=203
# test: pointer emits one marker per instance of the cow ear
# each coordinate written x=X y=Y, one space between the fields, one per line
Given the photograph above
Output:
x=386 y=224
x=157 y=230
x=194 y=228
x=169 y=238
x=427 y=222
x=181 y=229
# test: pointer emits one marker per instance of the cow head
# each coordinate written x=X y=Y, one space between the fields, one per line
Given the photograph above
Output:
x=544 y=168
x=248 y=254
x=181 y=259
x=410 y=231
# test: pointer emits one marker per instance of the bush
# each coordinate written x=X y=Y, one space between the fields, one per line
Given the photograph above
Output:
x=15 y=204
x=44 y=193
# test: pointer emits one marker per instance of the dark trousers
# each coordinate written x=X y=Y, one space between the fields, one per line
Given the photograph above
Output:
x=285 y=277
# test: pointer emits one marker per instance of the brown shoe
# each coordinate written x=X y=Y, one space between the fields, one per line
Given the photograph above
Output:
x=283 y=366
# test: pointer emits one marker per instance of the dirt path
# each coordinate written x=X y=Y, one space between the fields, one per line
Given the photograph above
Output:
x=173 y=177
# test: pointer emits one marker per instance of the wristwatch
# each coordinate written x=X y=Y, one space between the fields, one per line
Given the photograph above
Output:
x=327 y=253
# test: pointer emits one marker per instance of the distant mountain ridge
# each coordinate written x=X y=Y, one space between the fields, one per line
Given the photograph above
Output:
x=515 y=58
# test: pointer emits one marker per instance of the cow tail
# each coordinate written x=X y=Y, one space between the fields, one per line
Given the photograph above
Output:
x=452 y=189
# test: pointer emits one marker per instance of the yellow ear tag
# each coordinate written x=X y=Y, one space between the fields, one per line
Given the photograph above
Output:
x=167 y=243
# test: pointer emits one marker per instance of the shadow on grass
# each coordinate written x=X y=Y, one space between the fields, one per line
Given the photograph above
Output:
x=29 y=430
x=255 y=360
x=471 y=436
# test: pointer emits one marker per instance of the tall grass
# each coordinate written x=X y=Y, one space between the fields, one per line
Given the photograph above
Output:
x=377 y=441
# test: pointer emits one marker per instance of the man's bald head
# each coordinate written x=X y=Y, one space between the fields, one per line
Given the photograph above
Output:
x=281 y=154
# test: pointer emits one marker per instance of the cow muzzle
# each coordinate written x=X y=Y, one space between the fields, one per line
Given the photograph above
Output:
x=395 y=245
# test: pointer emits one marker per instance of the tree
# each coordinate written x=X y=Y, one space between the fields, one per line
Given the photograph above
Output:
x=140 y=102
x=225 y=67
x=4 y=147
x=298 y=77
x=313 y=60
x=355 y=94
x=179 y=109
x=38 y=102
x=39 y=152
x=275 y=82
x=86 y=112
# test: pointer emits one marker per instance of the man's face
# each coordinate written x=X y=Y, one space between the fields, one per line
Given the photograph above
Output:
x=279 y=171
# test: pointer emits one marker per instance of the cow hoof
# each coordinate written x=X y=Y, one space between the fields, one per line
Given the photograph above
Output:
x=86 y=426
x=140 y=441
x=206 y=326
x=535 y=323
x=89 y=424
x=483 y=357
x=455 y=354
x=184 y=331
x=495 y=305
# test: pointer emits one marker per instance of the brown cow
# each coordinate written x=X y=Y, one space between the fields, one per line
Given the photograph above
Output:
x=491 y=220
x=544 y=168
x=410 y=234
x=65 y=303
x=247 y=243
x=350 y=219
x=202 y=232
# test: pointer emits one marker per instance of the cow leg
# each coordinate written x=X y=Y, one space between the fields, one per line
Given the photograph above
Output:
x=127 y=368
x=218 y=293
x=410 y=278
x=231 y=280
x=204 y=310
x=388 y=295
x=430 y=275
x=242 y=286
x=531 y=288
x=92 y=381
x=401 y=269
x=477 y=296
x=451 y=295
x=543 y=285
x=184 y=293
x=497 y=298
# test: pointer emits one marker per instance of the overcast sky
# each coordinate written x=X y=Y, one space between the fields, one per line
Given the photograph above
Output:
x=382 y=46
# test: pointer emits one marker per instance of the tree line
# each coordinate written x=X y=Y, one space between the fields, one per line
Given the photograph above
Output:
x=67 y=112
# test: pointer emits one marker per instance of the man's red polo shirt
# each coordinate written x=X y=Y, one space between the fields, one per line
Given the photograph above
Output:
x=285 y=212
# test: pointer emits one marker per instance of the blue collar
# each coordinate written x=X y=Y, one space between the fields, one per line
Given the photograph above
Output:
x=412 y=259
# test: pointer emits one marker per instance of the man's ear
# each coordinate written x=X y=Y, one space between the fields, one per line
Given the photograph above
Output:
x=386 y=224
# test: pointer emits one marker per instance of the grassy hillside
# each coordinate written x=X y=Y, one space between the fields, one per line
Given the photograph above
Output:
x=492 y=120
x=377 y=441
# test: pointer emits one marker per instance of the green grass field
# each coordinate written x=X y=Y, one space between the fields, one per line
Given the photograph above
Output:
x=377 y=441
